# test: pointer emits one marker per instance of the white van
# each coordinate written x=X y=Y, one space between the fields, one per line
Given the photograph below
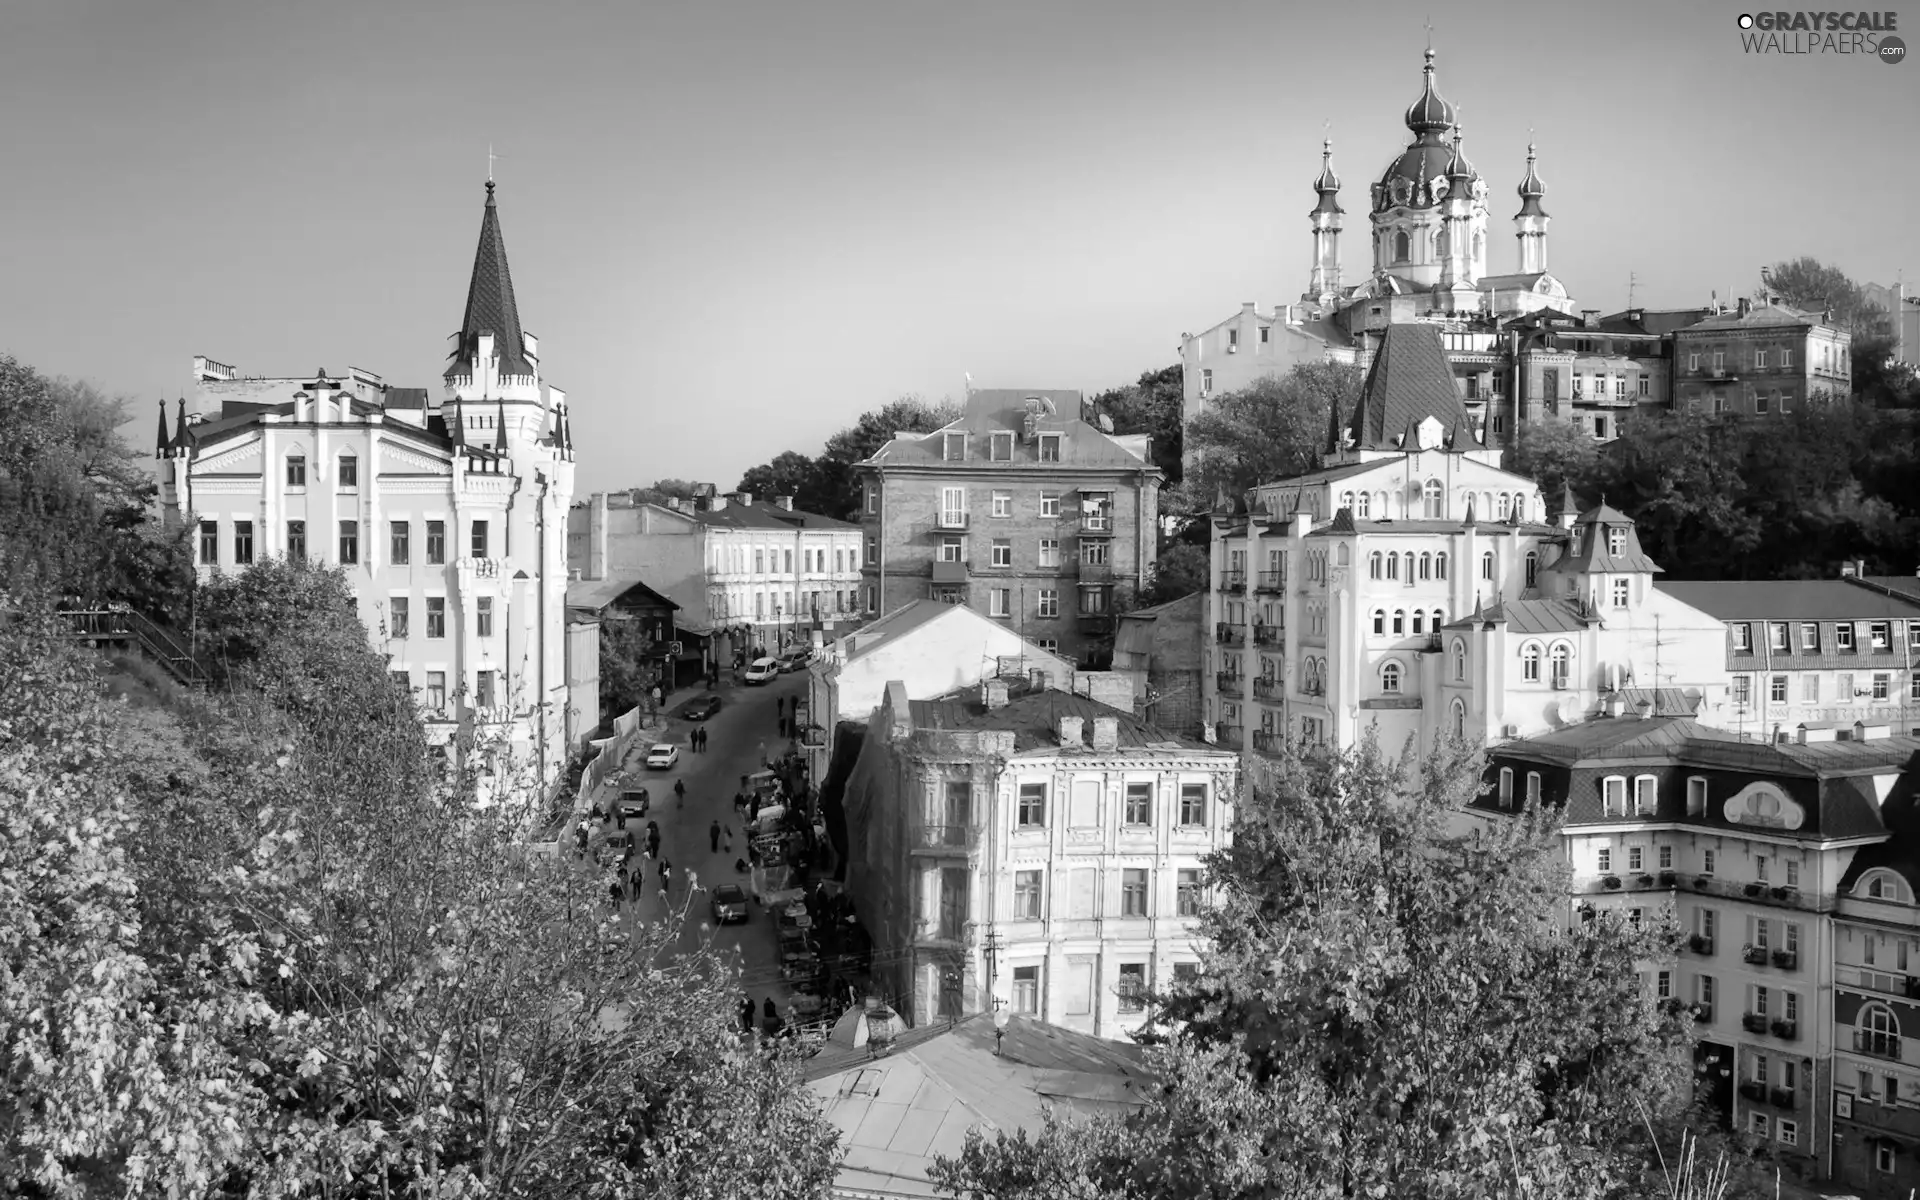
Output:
x=763 y=670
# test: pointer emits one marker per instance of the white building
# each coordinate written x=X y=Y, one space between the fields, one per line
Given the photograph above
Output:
x=1031 y=847
x=448 y=514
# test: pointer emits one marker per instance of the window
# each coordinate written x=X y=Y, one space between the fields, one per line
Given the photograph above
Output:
x=1880 y=635
x=1777 y=689
x=1810 y=688
x=1530 y=662
x=1049 y=504
x=398 y=617
x=1002 y=552
x=1133 y=892
x=1760 y=402
x=1883 y=1157
x=1050 y=645
x=1777 y=634
x=1000 y=446
x=1486 y=565
x=243 y=542
x=1033 y=805
x=1882 y=685
x=1696 y=796
x=1666 y=858
x=1233 y=339
x=1719 y=360
x=1000 y=602
x=1139 y=804
x=1390 y=679
x=1133 y=987
x=953 y=549
x=349 y=471
x=1419 y=620
x=1506 y=787
x=1693 y=362
x=1433 y=500
x=479 y=539
x=483 y=689
x=1613 y=794
x=1379 y=622
x=296 y=539
x=1533 y=787
x=1401 y=247
x=1206 y=381
x=1843 y=635
x=1187 y=893
x=1533 y=568
x=953 y=447
x=1399 y=621
x=296 y=470
x=1742 y=690
x=1636 y=858
x=1879 y=1031
x=1603 y=858
x=349 y=543
x=1374 y=566
x=398 y=548
x=1616 y=541
x=436 y=616
x=1459 y=662
x=1562 y=662
x=1193 y=804
x=1707 y=860
x=1048 y=603
x=1646 y=795
x=1742 y=637
x=1440 y=565
x=483 y=617
x=1026 y=990
x=436 y=690
x=1622 y=592
x=1050 y=447
x=209 y=542
x=1027 y=887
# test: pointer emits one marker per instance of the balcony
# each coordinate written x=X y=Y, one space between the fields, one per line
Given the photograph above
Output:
x=1786 y=1031
x=949 y=572
x=1230 y=682
x=1754 y=1090
x=1228 y=634
x=1703 y=1014
x=1876 y=1044
x=956 y=838
x=1272 y=581
x=1782 y=1098
x=1701 y=945
x=1096 y=623
x=1265 y=688
x=1096 y=524
x=1233 y=581
x=1230 y=736
x=950 y=521
x=1754 y=1022
x=1096 y=572
x=1267 y=635
x=1786 y=960
x=1755 y=956
x=1266 y=741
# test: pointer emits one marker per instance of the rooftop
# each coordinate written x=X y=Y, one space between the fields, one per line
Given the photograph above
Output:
x=895 y=625
x=1539 y=617
x=601 y=594
x=1410 y=381
x=1034 y=720
x=1020 y=412
x=1757 y=316
x=1790 y=599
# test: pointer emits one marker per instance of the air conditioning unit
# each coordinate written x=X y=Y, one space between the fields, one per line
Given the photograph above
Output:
x=1512 y=731
x=1559 y=683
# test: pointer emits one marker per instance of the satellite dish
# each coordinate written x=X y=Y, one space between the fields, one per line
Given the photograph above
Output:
x=1106 y=423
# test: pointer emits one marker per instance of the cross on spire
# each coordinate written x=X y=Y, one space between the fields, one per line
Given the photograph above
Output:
x=490 y=157
x=1429 y=32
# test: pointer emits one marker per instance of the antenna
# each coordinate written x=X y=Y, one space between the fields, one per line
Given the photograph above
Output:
x=1633 y=281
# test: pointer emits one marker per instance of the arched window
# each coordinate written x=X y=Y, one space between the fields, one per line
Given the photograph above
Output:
x=1390 y=679
x=1562 y=661
x=1379 y=622
x=1346 y=500
x=1440 y=565
x=1409 y=558
x=1459 y=661
x=1439 y=618
x=1530 y=662
x=1399 y=622
x=1506 y=787
x=1486 y=565
x=1373 y=565
x=1506 y=505
x=1533 y=567
x=1363 y=505
x=1393 y=566
x=1533 y=787
x=1435 y=499
x=1459 y=719
x=1426 y=565
x=1882 y=885
x=1346 y=554
x=1879 y=1031
x=1400 y=246
x=1419 y=619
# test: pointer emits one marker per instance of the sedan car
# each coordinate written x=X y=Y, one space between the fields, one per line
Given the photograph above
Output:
x=794 y=660
x=763 y=670
x=700 y=708
x=662 y=756
x=729 y=904
x=634 y=803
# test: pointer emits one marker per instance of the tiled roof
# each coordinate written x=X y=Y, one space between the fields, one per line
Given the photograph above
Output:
x=490 y=303
x=1790 y=599
x=1533 y=616
x=600 y=594
x=1591 y=554
x=1000 y=410
x=1758 y=316
x=1034 y=718
x=1409 y=381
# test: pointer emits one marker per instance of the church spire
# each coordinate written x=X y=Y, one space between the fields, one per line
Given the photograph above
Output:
x=1530 y=223
x=490 y=304
x=1324 y=284
x=160 y=442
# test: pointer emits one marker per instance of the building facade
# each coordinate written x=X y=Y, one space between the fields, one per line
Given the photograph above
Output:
x=1761 y=358
x=448 y=514
x=1039 y=849
x=1162 y=651
x=1020 y=509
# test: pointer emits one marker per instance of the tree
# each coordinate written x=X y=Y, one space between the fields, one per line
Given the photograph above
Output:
x=1807 y=283
x=1272 y=429
x=789 y=474
x=1153 y=406
x=1385 y=1007
x=1181 y=570
x=839 y=492
x=1556 y=455
x=627 y=678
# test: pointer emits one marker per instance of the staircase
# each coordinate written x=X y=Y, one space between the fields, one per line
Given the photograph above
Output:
x=124 y=627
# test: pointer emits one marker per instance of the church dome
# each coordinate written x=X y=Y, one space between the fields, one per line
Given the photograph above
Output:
x=1328 y=185
x=1459 y=170
x=1531 y=190
x=1430 y=113
x=1408 y=181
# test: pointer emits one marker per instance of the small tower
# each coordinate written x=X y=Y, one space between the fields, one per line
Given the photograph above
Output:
x=494 y=375
x=1530 y=223
x=1325 y=283
x=1457 y=271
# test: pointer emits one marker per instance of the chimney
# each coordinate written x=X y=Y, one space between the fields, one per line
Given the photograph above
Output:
x=674 y=503
x=785 y=502
x=1745 y=306
x=1616 y=706
x=1645 y=709
x=1106 y=734
x=993 y=693
x=716 y=502
x=1863 y=732
x=1589 y=317
x=743 y=499
x=1070 y=733
x=597 y=536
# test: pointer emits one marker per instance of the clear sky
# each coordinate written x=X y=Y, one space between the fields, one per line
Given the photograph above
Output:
x=735 y=226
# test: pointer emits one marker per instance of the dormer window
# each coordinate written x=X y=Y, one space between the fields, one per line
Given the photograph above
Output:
x=1000 y=447
x=1622 y=593
x=1616 y=541
x=954 y=447
x=1050 y=447
x=1742 y=637
x=1778 y=632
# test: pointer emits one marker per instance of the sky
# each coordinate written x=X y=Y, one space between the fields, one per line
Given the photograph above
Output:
x=737 y=225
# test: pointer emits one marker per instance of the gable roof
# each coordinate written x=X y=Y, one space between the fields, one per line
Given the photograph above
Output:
x=915 y=614
x=1759 y=315
x=1000 y=410
x=1409 y=381
x=602 y=594
x=1592 y=553
x=1540 y=617
x=490 y=303
x=1791 y=599
x=1034 y=719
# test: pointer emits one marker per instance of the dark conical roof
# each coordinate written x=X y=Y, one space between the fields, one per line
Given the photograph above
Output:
x=490 y=303
x=1430 y=113
x=160 y=442
x=1410 y=380
x=1531 y=189
x=1458 y=168
x=1328 y=185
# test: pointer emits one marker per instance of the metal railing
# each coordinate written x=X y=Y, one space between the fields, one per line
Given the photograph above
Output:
x=949 y=520
x=1267 y=741
x=1229 y=681
x=1228 y=634
x=154 y=640
x=1877 y=1044
x=1233 y=581
x=1266 y=635
x=947 y=837
x=1265 y=688
x=1272 y=581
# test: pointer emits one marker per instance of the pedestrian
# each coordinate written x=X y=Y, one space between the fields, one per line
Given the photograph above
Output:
x=783 y=723
x=615 y=891
x=619 y=816
x=713 y=838
x=638 y=881
x=703 y=740
x=666 y=874
x=623 y=876
x=771 y=1011
x=680 y=793
x=580 y=839
x=729 y=839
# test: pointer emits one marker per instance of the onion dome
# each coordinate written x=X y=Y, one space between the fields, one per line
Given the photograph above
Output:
x=1531 y=190
x=1328 y=185
x=1430 y=113
x=1460 y=173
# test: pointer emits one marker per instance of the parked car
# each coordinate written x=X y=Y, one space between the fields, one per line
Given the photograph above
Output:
x=729 y=904
x=762 y=670
x=662 y=756
x=634 y=803
x=794 y=660
x=700 y=708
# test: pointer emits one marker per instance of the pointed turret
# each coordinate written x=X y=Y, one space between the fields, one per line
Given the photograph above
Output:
x=490 y=304
x=160 y=440
x=1324 y=286
x=180 y=446
x=500 y=430
x=1530 y=223
x=1409 y=382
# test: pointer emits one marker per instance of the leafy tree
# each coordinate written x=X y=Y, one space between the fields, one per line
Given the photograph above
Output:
x=1181 y=570
x=1807 y=283
x=626 y=677
x=1556 y=455
x=1275 y=428
x=1387 y=1007
x=839 y=493
x=1678 y=476
x=1152 y=406
x=789 y=474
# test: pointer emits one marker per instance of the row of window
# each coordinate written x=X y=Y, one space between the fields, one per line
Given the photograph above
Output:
x=779 y=605
x=1092 y=551
x=1844 y=636
x=813 y=560
x=399 y=542
x=348 y=475
x=1084 y=809
x=1621 y=383
x=953 y=500
x=1136 y=894
x=1096 y=599
x=1075 y=991
x=1399 y=625
x=433 y=697
x=1000 y=445
x=1846 y=689
x=400 y=617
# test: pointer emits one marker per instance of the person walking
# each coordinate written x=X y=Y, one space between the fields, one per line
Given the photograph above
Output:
x=666 y=875
x=713 y=838
x=614 y=893
x=783 y=722
x=623 y=877
x=620 y=816
x=680 y=793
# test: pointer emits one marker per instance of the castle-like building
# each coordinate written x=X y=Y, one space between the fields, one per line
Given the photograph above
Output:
x=448 y=513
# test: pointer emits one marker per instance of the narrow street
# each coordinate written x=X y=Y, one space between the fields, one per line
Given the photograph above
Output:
x=745 y=730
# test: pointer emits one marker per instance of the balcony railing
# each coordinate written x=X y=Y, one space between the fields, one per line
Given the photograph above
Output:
x=1786 y=960
x=1265 y=688
x=1272 y=581
x=1096 y=572
x=1266 y=635
x=1230 y=736
x=1230 y=681
x=1233 y=581
x=1096 y=524
x=949 y=572
x=1754 y=1022
x=1095 y=622
x=950 y=520
x=1754 y=1090
x=946 y=837
x=1701 y=944
x=1875 y=1043
x=1786 y=1031
x=1755 y=956
x=1228 y=634
x=1267 y=741
x=1782 y=1097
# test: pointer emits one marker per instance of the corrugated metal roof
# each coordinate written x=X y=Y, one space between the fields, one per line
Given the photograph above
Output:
x=1789 y=600
x=599 y=594
x=1533 y=616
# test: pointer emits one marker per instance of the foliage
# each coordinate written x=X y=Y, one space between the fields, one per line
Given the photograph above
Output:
x=826 y=485
x=789 y=474
x=1272 y=429
x=1808 y=284
x=1556 y=455
x=1180 y=570
x=1387 y=1007
x=76 y=507
x=1154 y=406
x=626 y=677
